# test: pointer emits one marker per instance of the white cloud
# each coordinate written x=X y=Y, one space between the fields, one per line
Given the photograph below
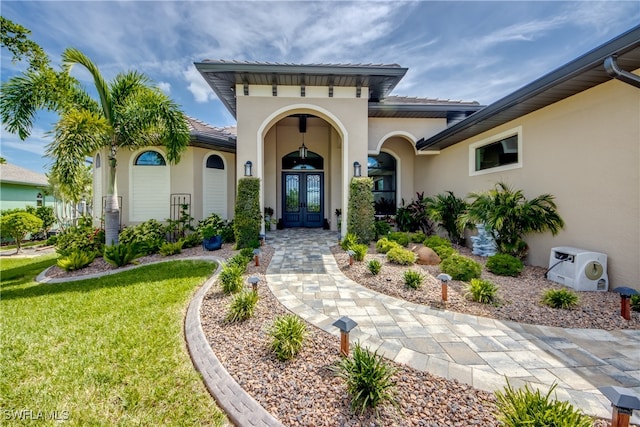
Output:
x=197 y=85
x=165 y=87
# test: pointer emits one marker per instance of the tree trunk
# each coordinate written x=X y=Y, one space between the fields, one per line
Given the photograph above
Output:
x=112 y=210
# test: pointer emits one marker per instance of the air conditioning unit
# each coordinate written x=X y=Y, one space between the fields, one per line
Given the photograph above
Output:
x=579 y=269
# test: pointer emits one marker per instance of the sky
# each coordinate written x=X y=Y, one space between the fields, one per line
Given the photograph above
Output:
x=458 y=50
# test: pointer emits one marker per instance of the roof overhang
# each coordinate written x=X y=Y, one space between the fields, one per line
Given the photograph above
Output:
x=223 y=76
x=579 y=75
x=421 y=111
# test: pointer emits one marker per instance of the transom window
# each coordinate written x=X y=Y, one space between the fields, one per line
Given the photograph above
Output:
x=382 y=170
x=499 y=153
x=293 y=161
x=215 y=162
x=150 y=158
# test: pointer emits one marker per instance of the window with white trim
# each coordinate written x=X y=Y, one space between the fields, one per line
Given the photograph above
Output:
x=498 y=153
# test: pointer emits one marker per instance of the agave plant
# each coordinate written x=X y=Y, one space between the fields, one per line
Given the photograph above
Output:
x=509 y=216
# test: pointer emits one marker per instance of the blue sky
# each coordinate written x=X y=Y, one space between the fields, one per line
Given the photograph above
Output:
x=473 y=51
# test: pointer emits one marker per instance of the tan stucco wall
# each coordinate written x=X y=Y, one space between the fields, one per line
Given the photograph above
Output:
x=584 y=150
x=381 y=129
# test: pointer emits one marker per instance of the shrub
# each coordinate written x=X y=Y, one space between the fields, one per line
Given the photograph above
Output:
x=508 y=215
x=122 y=253
x=525 y=407
x=445 y=209
x=287 y=334
x=76 y=260
x=635 y=302
x=361 y=209
x=382 y=228
x=17 y=225
x=482 y=291
x=435 y=241
x=461 y=268
x=368 y=377
x=192 y=240
x=560 y=298
x=504 y=265
x=444 y=252
x=242 y=306
x=149 y=236
x=417 y=237
x=349 y=240
x=401 y=256
x=248 y=217
x=413 y=279
x=360 y=250
x=384 y=245
x=231 y=278
x=168 y=248
x=83 y=237
x=374 y=266
x=399 y=237
x=46 y=214
x=213 y=223
x=240 y=260
x=419 y=212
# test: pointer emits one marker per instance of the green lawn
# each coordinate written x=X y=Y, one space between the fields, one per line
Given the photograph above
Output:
x=106 y=351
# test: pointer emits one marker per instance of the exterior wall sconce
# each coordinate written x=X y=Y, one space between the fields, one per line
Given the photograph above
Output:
x=247 y=168
x=256 y=257
x=351 y=254
x=444 y=278
x=345 y=325
x=254 y=283
x=624 y=401
x=357 y=169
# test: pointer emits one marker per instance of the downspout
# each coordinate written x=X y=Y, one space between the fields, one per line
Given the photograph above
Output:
x=611 y=67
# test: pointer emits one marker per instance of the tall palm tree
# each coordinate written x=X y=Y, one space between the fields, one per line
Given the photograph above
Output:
x=129 y=113
x=508 y=215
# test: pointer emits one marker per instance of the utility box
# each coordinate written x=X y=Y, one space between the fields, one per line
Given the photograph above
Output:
x=579 y=269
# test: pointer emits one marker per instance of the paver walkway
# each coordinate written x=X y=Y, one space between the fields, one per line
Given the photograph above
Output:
x=479 y=351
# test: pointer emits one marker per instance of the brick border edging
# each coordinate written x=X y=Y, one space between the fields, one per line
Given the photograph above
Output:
x=240 y=407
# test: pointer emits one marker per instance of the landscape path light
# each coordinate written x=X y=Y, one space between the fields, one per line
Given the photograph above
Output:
x=345 y=324
x=625 y=300
x=351 y=254
x=254 y=283
x=444 y=278
x=624 y=401
x=256 y=257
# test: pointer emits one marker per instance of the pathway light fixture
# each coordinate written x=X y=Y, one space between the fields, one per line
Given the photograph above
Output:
x=625 y=300
x=444 y=278
x=345 y=324
x=254 y=283
x=351 y=254
x=624 y=401
x=256 y=257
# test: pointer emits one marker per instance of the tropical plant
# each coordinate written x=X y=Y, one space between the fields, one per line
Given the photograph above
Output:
x=435 y=241
x=76 y=260
x=560 y=298
x=413 y=279
x=399 y=237
x=635 y=302
x=384 y=245
x=445 y=209
x=374 y=266
x=248 y=217
x=130 y=112
x=122 y=254
x=369 y=379
x=444 y=251
x=210 y=226
x=419 y=211
x=45 y=213
x=169 y=248
x=404 y=220
x=401 y=256
x=360 y=250
x=349 y=240
x=242 y=306
x=18 y=225
x=361 y=211
x=509 y=216
x=382 y=228
x=504 y=265
x=483 y=291
x=82 y=237
x=525 y=407
x=461 y=268
x=231 y=278
x=287 y=333
x=15 y=38
x=149 y=236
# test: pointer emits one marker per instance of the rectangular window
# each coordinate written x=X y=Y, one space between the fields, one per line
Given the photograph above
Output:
x=499 y=153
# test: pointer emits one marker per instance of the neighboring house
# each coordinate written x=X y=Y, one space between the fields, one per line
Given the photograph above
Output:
x=21 y=187
x=304 y=129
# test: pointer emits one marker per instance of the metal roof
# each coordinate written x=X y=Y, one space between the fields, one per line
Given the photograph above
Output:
x=581 y=74
x=417 y=108
x=223 y=76
x=206 y=136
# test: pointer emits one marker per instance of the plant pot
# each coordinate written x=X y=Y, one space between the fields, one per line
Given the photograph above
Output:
x=212 y=243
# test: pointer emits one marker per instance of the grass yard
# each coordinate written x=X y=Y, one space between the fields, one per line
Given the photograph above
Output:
x=106 y=351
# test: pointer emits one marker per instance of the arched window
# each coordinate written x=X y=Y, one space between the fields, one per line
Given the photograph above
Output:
x=215 y=162
x=293 y=161
x=98 y=161
x=150 y=158
x=382 y=170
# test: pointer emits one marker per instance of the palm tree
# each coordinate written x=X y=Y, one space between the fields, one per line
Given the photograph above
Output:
x=508 y=215
x=445 y=209
x=129 y=113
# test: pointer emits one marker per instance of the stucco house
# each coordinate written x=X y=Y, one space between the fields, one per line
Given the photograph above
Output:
x=303 y=130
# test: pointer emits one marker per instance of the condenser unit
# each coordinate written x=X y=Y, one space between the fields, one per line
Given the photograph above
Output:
x=579 y=269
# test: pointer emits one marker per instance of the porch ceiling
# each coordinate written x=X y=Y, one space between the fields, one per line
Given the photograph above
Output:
x=223 y=76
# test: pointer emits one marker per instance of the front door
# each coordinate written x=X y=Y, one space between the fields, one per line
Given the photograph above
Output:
x=303 y=199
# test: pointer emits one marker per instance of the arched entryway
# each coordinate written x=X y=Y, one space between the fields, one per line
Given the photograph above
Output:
x=303 y=190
